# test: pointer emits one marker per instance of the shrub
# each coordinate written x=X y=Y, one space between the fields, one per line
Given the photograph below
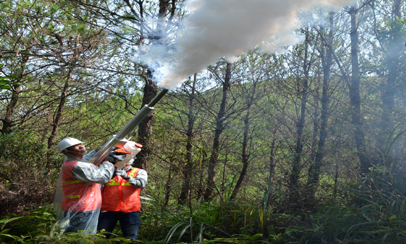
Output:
x=29 y=172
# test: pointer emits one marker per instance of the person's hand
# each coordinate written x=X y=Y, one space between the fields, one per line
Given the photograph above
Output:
x=114 y=158
x=122 y=173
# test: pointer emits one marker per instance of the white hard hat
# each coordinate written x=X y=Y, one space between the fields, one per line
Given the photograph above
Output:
x=67 y=142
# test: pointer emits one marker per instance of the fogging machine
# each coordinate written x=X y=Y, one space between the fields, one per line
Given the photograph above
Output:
x=119 y=139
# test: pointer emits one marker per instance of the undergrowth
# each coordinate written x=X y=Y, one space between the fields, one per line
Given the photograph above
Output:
x=379 y=221
x=374 y=212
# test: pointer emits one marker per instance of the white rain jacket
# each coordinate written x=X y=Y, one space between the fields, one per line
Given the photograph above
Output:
x=141 y=180
x=78 y=195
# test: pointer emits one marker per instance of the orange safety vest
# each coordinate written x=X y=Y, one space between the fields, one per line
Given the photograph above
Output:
x=119 y=195
x=79 y=195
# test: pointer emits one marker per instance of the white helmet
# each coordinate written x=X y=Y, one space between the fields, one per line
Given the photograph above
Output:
x=67 y=142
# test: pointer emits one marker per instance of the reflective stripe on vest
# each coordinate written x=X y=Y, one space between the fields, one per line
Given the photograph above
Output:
x=73 y=196
x=113 y=183
x=72 y=181
x=119 y=195
x=132 y=173
x=78 y=195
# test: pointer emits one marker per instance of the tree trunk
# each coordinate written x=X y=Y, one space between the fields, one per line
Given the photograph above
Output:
x=314 y=170
x=355 y=95
x=145 y=127
x=173 y=9
x=267 y=193
x=150 y=91
x=216 y=141
x=201 y=188
x=168 y=187
x=163 y=8
x=245 y=155
x=11 y=106
x=296 y=168
x=187 y=171
x=58 y=115
x=388 y=96
x=272 y=164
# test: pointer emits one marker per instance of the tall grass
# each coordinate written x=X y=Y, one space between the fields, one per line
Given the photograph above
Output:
x=379 y=219
x=375 y=213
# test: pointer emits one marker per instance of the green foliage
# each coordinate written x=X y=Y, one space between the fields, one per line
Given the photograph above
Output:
x=38 y=226
x=103 y=91
x=379 y=221
x=5 y=83
x=25 y=160
x=21 y=151
x=382 y=217
x=4 y=233
x=196 y=222
x=155 y=214
x=34 y=225
x=208 y=222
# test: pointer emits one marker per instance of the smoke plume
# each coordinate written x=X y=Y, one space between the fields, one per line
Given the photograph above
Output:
x=227 y=28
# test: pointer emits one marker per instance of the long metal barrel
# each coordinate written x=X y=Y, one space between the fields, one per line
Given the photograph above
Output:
x=130 y=126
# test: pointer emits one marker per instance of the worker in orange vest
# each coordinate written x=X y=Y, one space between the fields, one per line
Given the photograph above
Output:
x=121 y=200
x=78 y=197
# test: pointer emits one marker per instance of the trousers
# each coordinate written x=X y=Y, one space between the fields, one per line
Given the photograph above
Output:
x=129 y=223
x=81 y=221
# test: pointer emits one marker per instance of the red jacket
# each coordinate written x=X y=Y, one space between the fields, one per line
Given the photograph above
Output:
x=79 y=195
x=119 y=195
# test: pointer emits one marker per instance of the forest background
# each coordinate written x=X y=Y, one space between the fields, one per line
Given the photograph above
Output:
x=301 y=146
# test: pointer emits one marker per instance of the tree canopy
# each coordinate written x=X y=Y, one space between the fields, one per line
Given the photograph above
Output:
x=302 y=145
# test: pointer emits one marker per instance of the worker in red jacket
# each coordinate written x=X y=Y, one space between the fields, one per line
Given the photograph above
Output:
x=78 y=196
x=121 y=200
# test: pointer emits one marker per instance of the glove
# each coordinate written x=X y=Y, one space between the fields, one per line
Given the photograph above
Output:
x=122 y=174
x=114 y=158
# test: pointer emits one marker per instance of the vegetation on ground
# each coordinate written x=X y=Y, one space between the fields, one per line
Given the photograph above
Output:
x=301 y=146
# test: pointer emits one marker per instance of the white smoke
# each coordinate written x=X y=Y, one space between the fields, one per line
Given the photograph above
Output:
x=227 y=28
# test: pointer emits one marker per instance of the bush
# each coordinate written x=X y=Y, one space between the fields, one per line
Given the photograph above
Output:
x=29 y=172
